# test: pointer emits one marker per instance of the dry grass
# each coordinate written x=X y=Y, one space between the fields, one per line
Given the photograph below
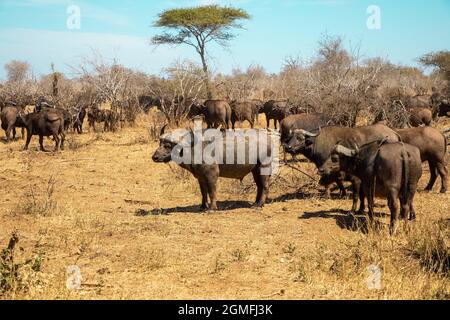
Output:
x=80 y=207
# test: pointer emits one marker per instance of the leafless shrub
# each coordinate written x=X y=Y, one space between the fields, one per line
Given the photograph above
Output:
x=40 y=204
x=182 y=87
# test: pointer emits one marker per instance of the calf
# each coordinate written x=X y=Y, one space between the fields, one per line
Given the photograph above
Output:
x=390 y=170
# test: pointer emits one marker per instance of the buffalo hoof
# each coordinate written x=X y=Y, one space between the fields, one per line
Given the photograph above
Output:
x=443 y=191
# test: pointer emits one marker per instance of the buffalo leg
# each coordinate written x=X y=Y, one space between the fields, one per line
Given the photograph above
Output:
x=8 y=133
x=29 y=135
x=211 y=184
x=57 y=141
x=63 y=138
x=370 y=201
x=23 y=133
x=259 y=186
x=204 y=191
x=433 y=176
x=41 y=142
x=355 y=196
x=14 y=133
x=262 y=181
x=265 y=190
x=342 y=191
x=443 y=172
x=268 y=121
x=412 y=212
x=394 y=208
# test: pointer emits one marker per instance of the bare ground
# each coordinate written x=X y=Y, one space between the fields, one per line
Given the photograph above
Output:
x=78 y=207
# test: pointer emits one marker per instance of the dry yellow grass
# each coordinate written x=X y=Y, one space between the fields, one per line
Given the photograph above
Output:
x=77 y=207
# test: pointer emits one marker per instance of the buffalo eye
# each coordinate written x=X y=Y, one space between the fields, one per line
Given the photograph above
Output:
x=335 y=159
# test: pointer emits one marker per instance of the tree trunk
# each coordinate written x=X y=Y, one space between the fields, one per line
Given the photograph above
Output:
x=206 y=72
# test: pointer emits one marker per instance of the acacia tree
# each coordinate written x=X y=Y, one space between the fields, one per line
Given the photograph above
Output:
x=440 y=61
x=197 y=27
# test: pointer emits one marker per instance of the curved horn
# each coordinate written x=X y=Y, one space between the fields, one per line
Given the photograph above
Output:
x=163 y=130
x=306 y=133
x=341 y=150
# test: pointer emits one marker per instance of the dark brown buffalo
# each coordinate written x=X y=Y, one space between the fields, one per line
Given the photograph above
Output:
x=243 y=111
x=433 y=148
x=44 y=104
x=390 y=170
x=318 y=145
x=311 y=122
x=208 y=174
x=443 y=108
x=276 y=111
x=258 y=106
x=217 y=113
x=147 y=102
x=308 y=122
x=108 y=117
x=10 y=119
x=77 y=116
x=49 y=122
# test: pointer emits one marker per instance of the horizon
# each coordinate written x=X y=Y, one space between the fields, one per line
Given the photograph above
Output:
x=39 y=32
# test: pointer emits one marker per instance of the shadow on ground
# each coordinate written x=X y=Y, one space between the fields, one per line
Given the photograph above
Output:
x=223 y=206
x=347 y=221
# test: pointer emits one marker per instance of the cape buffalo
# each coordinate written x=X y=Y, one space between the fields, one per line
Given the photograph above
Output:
x=108 y=117
x=78 y=114
x=46 y=123
x=243 y=111
x=318 y=145
x=310 y=122
x=390 y=170
x=276 y=110
x=208 y=173
x=433 y=148
x=217 y=113
x=443 y=108
x=10 y=119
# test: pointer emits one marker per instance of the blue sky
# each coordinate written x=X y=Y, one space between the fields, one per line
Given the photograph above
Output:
x=36 y=31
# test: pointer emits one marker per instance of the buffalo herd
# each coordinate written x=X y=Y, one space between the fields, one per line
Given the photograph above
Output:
x=377 y=160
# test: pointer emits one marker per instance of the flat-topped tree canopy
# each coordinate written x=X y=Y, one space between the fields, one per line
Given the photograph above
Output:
x=204 y=23
x=196 y=26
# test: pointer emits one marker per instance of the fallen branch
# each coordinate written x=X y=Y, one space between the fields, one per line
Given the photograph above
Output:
x=301 y=171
